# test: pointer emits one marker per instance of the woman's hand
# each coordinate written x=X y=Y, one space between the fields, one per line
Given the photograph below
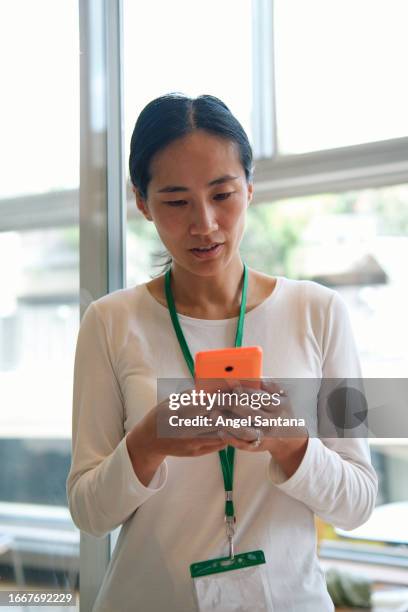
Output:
x=152 y=439
x=286 y=444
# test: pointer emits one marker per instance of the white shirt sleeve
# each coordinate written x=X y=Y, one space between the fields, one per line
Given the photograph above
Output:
x=335 y=478
x=102 y=487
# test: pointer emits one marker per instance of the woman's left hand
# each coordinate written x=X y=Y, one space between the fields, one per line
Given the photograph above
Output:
x=286 y=444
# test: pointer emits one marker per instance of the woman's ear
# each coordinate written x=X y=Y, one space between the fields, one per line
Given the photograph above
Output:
x=141 y=204
x=250 y=192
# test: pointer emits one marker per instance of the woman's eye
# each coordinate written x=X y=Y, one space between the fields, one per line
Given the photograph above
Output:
x=223 y=196
x=218 y=196
x=175 y=202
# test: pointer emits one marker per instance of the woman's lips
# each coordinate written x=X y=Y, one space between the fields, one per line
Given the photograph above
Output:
x=210 y=254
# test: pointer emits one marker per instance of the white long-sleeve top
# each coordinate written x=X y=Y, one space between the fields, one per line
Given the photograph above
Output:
x=125 y=343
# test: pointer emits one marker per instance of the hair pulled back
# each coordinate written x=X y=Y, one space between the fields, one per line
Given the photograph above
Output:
x=173 y=116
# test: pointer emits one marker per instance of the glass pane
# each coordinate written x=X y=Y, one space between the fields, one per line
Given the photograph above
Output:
x=194 y=48
x=39 y=307
x=40 y=96
x=356 y=242
x=340 y=69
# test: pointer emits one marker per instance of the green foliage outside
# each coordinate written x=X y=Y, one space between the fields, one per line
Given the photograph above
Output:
x=270 y=238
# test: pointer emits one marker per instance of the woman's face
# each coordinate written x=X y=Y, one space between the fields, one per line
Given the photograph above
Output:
x=197 y=197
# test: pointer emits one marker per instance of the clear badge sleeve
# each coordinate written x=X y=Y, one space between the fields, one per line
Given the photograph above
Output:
x=232 y=585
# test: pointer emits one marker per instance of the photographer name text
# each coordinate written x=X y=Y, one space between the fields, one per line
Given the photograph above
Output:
x=235 y=422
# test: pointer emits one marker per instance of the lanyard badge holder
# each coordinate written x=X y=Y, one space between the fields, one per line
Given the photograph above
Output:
x=239 y=582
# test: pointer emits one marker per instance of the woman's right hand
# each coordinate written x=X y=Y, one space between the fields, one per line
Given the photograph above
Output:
x=147 y=448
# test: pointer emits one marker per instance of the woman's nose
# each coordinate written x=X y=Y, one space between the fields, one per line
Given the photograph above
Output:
x=203 y=219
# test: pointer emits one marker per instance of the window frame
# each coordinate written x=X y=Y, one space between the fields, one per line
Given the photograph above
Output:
x=101 y=203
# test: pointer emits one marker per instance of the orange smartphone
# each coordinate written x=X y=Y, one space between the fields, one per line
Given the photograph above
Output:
x=241 y=363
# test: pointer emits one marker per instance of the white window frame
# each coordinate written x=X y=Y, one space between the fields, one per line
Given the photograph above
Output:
x=101 y=202
x=375 y=164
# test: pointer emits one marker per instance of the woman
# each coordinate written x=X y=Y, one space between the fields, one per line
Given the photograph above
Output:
x=191 y=170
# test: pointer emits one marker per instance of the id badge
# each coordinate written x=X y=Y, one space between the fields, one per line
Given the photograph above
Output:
x=232 y=585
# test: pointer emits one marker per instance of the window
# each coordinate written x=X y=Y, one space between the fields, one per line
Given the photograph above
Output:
x=355 y=242
x=39 y=311
x=40 y=97
x=339 y=73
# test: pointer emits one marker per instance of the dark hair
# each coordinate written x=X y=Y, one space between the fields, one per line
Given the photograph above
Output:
x=173 y=116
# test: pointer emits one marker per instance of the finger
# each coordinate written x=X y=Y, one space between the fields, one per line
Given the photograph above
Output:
x=212 y=385
x=251 y=384
x=213 y=445
x=243 y=445
x=273 y=386
x=247 y=434
x=211 y=435
x=194 y=444
x=207 y=451
x=255 y=399
x=197 y=449
x=237 y=411
x=244 y=414
x=202 y=431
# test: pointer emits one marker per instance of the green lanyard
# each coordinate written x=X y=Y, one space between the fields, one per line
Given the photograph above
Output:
x=226 y=456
